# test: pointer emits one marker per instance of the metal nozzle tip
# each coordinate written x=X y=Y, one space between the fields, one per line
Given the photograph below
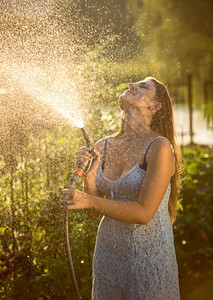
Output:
x=87 y=137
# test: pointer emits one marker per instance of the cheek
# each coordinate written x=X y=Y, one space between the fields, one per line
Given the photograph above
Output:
x=142 y=100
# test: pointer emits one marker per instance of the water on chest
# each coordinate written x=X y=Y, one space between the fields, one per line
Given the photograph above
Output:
x=118 y=165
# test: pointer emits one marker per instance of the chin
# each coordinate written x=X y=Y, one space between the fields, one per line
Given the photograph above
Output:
x=123 y=102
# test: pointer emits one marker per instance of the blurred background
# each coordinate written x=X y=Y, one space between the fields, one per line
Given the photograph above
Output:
x=62 y=61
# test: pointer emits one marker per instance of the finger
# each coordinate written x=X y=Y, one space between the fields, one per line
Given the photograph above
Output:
x=71 y=206
x=84 y=155
x=83 y=158
x=84 y=149
x=97 y=153
x=67 y=192
x=64 y=199
x=81 y=152
x=66 y=202
x=87 y=155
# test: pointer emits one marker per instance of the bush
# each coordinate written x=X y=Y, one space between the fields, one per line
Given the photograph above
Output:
x=32 y=262
x=194 y=225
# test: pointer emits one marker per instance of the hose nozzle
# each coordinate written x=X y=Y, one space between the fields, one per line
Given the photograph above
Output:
x=87 y=137
x=83 y=167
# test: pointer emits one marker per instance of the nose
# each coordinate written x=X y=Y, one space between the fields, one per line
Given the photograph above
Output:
x=132 y=86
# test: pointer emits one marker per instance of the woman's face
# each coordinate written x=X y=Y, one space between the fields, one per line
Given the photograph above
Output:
x=140 y=95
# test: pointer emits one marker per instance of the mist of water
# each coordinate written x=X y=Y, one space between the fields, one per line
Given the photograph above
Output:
x=48 y=86
x=42 y=60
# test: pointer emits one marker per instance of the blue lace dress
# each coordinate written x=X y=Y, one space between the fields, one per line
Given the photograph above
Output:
x=132 y=261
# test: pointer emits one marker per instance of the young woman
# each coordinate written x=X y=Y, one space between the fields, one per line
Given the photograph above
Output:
x=133 y=183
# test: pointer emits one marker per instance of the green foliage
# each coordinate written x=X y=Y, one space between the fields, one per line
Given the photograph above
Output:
x=32 y=262
x=38 y=155
x=194 y=225
x=172 y=31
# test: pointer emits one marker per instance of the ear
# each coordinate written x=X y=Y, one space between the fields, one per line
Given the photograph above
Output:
x=158 y=106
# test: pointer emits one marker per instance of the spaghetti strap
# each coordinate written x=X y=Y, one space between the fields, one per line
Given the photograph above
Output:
x=141 y=156
x=147 y=148
x=104 y=149
x=143 y=165
x=105 y=145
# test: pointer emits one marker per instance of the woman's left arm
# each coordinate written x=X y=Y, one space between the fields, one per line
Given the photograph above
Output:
x=160 y=168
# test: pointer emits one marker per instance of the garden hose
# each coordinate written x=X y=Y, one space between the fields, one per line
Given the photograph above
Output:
x=74 y=180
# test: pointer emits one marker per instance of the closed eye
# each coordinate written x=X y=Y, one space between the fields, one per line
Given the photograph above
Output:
x=143 y=85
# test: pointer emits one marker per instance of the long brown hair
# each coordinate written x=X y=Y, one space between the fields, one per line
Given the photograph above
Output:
x=163 y=123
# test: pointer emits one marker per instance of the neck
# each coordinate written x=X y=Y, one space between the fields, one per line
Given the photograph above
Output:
x=136 y=126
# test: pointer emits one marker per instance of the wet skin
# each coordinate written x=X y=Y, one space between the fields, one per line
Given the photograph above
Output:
x=123 y=152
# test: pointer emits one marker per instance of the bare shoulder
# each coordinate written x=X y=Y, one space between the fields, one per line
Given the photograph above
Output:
x=160 y=147
x=161 y=151
x=162 y=143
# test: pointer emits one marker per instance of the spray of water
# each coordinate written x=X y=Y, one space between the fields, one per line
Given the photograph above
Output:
x=55 y=89
x=42 y=59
